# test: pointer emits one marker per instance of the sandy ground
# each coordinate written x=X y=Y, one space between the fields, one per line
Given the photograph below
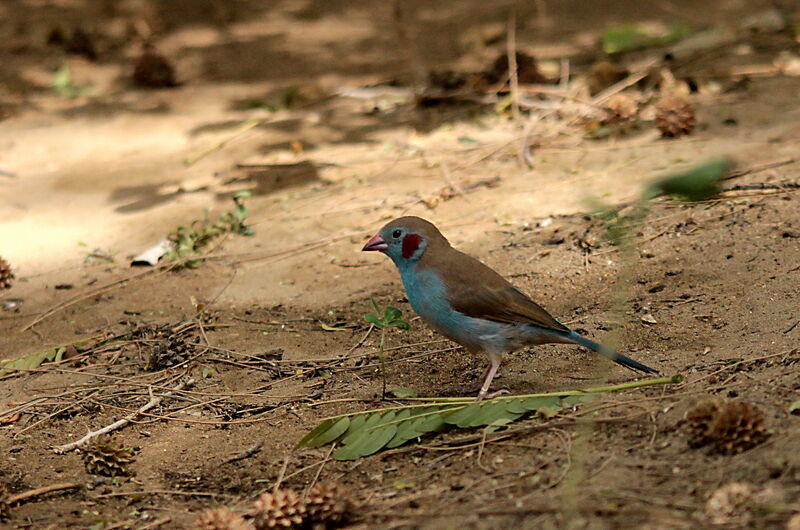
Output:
x=710 y=290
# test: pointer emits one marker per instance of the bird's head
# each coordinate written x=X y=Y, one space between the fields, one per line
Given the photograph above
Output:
x=405 y=239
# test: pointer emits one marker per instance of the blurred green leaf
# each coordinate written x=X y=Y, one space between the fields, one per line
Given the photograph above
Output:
x=403 y=392
x=629 y=37
x=697 y=184
x=63 y=85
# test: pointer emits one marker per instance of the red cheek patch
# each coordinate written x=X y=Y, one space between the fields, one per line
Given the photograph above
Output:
x=410 y=245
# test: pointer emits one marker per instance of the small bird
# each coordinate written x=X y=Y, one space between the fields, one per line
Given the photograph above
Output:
x=470 y=303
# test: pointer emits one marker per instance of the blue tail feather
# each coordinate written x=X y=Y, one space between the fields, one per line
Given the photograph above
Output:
x=608 y=352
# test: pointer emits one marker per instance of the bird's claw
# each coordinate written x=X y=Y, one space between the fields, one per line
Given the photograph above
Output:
x=492 y=395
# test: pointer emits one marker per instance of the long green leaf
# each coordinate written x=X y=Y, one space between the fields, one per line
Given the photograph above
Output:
x=36 y=359
x=328 y=432
x=365 y=433
x=369 y=439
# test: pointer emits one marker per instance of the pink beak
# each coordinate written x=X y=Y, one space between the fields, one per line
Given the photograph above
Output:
x=376 y=243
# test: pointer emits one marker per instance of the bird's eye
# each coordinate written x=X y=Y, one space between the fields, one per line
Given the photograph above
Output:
x=396 y=234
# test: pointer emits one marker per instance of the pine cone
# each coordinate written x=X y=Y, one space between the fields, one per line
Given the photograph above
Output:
x=328 y=503
x=106 y=457
x=168 y=352
x=282 y=509
x=220 y=519
x=6 y=274
x=674 y=117
x=620 y=109
x=727 y=427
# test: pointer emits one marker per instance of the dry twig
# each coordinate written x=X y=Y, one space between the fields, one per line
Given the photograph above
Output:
x=154 y=401
x=25 y=495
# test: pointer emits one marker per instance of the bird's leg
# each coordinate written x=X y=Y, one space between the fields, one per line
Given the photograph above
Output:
x=491 y=370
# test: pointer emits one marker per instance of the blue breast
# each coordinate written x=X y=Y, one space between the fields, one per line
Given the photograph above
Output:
x=427 y=296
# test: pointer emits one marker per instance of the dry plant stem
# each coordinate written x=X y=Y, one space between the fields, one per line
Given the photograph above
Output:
x=511 y=51
x=246 y=126
x=632 y=79
x=412 y=56
x=426 y=402
x=382 y=358
x=90 y=293
x=297 y=249
x=25 y=495
x=282 y=474
x=481 y=447
x=159 y=492
x=759 y=168
x=159 y=417
x=395 y=361
x=157 y=523
x=734 y=365
x=595 y=390
x=359 y=343
x=154 y=401
x=53 y=415
x=319 y=471
x=247 y=453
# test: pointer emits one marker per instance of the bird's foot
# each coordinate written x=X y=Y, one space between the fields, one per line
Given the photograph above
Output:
x=491 y=395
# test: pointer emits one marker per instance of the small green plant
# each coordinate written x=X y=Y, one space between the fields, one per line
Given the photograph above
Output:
x=63 y=85
x=390 y=319
x=234 y=221
x=191 y=240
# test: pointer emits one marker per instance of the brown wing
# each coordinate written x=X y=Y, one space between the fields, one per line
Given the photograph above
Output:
x=477 y=291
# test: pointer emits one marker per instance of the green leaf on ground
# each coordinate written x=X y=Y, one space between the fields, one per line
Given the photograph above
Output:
x=696 y=184
x=364 y=433
x=630 y=37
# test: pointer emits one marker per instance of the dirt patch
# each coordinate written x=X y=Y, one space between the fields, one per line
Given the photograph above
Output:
x=710 y=290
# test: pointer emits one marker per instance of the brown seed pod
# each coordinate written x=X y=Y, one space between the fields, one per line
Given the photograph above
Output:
x=329 y=503
x=281 y=509
x=527 y=69
x=220 y=519
x=153 y=70
x=674 y=117
x=169 y=351
x=604 y=74
x=6 y=274
x=620 y=109
x=726 y=427
x=104 y=456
